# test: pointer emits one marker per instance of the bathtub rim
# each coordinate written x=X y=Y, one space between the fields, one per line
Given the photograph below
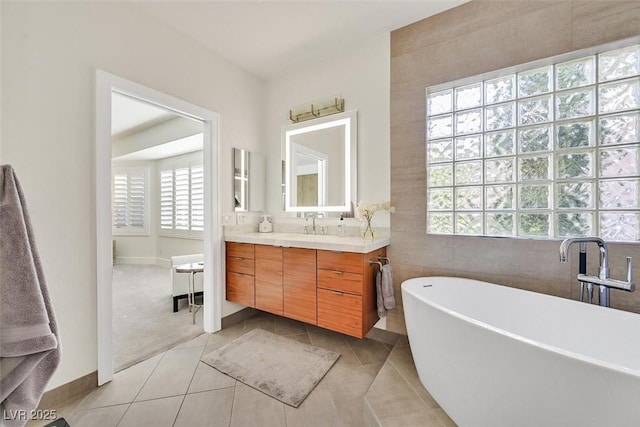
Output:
x=552 y=348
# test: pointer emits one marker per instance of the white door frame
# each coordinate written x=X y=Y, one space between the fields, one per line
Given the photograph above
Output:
x=212 y=236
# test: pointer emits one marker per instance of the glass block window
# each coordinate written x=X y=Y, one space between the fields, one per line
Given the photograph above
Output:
x=547 y=151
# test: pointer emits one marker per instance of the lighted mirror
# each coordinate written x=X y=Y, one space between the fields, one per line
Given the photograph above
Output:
x=320 y=164
x=248 y=180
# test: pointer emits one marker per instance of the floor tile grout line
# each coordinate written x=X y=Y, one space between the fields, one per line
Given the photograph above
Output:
x=80 y=406
x=233 y=401
x=195 y=370
x=413 y=389
x=387 y=359
x=208 y=391
x=352 y=352
x=149 y=376
x=124 y=413
x=235 y=386
x=175 y=419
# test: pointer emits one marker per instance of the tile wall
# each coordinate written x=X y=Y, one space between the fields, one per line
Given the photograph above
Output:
x=477 y=37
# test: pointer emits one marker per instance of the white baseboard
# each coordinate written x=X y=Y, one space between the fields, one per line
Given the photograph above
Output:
x=137 y=260
x=161 y=262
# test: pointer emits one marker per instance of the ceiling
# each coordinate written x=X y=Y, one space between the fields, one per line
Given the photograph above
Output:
x=269 y=38
x=129 y=115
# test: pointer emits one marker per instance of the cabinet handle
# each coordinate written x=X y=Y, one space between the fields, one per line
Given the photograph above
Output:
x=338 y=272
x=338 y=293
x=239 y=258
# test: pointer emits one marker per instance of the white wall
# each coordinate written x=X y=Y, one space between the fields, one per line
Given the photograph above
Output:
x=362 y=77
x=50 y=52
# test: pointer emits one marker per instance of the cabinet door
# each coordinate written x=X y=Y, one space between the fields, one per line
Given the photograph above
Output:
x=340 y=312
x=300 y=284
x=269 y=290
x=240 y=288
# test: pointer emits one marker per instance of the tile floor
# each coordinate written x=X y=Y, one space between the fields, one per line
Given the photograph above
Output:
x=176 y=389
x=397 y=398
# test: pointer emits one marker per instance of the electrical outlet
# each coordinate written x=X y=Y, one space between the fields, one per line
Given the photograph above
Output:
x=229 y=219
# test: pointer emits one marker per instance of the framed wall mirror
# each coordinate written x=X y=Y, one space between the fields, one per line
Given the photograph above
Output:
x=320 y=158
x=248 y=180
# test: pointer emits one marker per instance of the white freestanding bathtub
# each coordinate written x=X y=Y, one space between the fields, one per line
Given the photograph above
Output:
x=497 y=356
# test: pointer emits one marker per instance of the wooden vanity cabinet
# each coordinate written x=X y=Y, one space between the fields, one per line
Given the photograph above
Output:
x=346 y=291
x=299 y=280
x=269 y=288
x=332 y=289
x=240 y=261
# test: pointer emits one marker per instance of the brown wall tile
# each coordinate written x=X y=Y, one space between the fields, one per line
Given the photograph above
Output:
x=599 y=22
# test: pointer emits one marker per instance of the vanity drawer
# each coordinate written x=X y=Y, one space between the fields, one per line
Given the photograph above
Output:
x=340 y=312
x=241 y=250
x=350 y=262
x=340 y=281
x=240 y=265
x=241 y=289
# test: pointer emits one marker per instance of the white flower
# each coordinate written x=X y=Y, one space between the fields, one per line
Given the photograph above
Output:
x=366 y=210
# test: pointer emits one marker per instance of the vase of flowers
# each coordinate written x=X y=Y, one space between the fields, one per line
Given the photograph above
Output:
x=365 y=212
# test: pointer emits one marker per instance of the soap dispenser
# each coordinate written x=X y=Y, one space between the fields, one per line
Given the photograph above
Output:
x=342 y=230
x=265 y=226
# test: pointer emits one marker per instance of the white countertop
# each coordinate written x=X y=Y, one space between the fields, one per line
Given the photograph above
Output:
x=311 y=241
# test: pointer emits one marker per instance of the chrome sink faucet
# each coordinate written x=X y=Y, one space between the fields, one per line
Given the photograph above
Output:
x=313 y=217
x=603 y=279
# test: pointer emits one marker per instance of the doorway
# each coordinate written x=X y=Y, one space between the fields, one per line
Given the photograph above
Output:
x=106 y=85
x=157 y=224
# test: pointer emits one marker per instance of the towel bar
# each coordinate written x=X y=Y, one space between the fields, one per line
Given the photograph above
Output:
x=380 y=261
x=373 y=261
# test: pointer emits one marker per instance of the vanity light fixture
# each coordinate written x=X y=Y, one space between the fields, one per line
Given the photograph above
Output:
x=315 y=109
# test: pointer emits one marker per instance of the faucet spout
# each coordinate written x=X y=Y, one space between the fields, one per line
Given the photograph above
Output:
x=604 y=258
x=313 y=219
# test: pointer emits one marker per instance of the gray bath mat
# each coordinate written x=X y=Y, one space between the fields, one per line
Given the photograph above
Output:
x=280 y=367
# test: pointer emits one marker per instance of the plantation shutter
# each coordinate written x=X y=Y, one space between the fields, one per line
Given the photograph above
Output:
x=197 y=198
x=166 y=199
x=119 y=200
x=137 y=200
x=129 y=200
x=182 y=199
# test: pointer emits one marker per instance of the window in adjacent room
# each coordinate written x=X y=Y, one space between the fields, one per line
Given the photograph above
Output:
x=130 y=201
x=549 y=149
x=182 y=200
